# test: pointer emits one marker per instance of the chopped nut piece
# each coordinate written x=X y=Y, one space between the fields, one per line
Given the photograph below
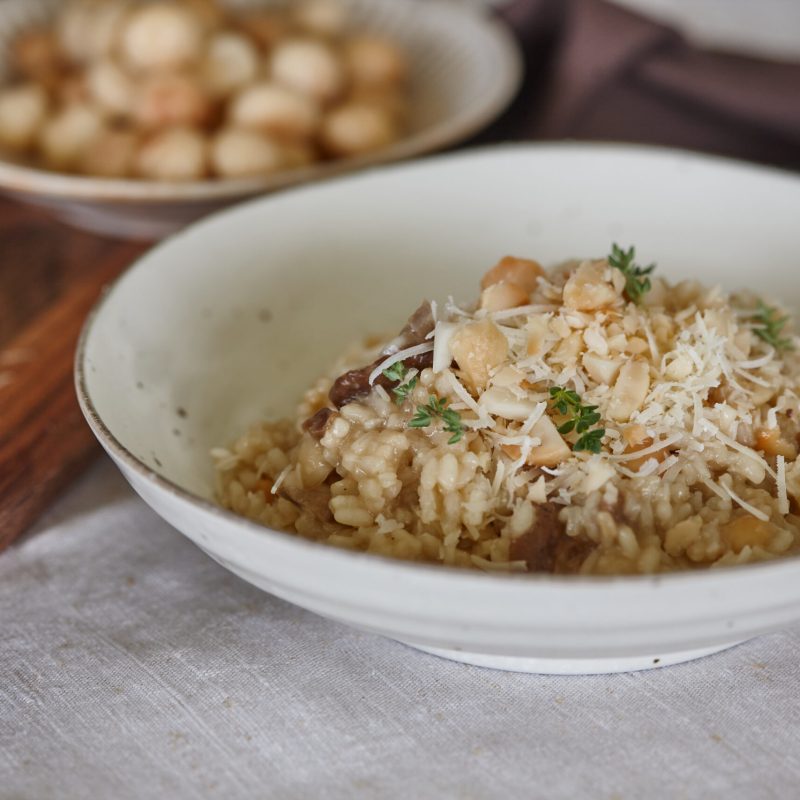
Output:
x=553 y=449
x=634 y=434
x=500 y=296
x=537 y=335
x=568 y=350
x=522 y=271
x=588 y=288
x=637 y=463
x=630 y=390
x=602 y=370
x=769 y=441
x=747 y=531
x=502 y=402
x=478 y=348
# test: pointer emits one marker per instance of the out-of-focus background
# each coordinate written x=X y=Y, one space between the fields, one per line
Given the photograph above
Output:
x=712 y=75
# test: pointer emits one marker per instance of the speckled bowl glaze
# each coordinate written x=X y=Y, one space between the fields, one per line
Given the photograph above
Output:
x=465 y=69
x=229 y=321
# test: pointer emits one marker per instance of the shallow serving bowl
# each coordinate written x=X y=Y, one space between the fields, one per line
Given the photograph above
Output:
x=230 y=320
x=465 y=69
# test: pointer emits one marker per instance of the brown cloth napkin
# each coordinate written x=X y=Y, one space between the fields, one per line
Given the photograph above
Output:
x=598 y=71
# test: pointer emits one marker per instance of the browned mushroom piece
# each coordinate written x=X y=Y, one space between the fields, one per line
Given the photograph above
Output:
x=315 y=501
x=355 y=383
x=317 y=424
x=419 y=325
x=544 y=547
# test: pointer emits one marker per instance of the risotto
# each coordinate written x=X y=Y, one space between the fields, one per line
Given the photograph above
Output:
x=591 y=418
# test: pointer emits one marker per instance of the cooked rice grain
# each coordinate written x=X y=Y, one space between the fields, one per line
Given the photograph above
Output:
x=697 y=467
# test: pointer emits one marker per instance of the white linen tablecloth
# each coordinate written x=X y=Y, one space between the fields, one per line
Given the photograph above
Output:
x=133 y=666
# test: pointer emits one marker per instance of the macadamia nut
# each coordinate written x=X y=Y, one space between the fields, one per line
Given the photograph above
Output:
x=241 y=154
x=178 y=154
x=275 y=109
x=355 y=129
x=161 y=36
x=22 y=113
x=309 y=67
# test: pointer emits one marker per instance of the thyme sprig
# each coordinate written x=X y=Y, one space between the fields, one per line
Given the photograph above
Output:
x=436 y=408
x=568 y=403
x=398 y=372
x=637 y=284
x=770 y=326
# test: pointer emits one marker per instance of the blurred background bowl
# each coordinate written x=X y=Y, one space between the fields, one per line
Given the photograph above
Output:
x=465 y=69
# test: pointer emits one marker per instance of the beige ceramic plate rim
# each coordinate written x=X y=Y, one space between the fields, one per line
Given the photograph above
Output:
x=624 y=583
x=30 y=180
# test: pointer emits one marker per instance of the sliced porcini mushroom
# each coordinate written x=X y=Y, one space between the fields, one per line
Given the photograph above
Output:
x=545 y=547
x=317 y=423
x=478 y=348
x=630 y=390
x=588 y=288
x=355 y=383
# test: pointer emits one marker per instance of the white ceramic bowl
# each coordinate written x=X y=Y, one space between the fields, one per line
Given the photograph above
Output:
x=465 y=69
x=181 y=354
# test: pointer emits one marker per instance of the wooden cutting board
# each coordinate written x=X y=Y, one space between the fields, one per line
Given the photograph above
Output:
x=50 y=276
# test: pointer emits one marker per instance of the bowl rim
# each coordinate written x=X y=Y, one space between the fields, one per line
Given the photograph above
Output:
x=251 y=528
x=22 y=179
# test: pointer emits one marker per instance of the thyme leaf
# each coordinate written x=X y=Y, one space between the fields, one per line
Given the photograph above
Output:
x=637 y=284
x=436 y=408
x=770 y=326
x=568 y=403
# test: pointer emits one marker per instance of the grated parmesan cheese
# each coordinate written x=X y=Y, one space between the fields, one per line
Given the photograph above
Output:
x=646 y=451
x=744 y=450
x=280 y=479
x=400 y=355
x=783 y=499
x=745 y=505
x=772 y=418
x=443 y=335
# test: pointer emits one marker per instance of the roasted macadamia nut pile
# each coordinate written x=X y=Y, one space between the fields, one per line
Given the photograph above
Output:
x=182 y=90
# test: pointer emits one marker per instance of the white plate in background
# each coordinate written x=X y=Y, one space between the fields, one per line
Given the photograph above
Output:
x=465 y=69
